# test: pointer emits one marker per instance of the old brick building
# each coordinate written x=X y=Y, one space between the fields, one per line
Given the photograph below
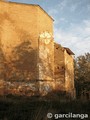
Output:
x=30 y=61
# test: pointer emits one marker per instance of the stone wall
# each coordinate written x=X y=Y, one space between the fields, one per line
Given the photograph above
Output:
x=20 y=29
x=44 y=22
x=30 y=62
x=46 y=62
x=69 y=73
x=64 y=70
x=18 y=36
x=59 y=67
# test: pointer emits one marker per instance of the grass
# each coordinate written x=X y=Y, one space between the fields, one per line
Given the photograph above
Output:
x=35 y=108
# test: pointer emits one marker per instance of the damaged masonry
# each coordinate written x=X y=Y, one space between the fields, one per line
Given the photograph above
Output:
x=31 y=63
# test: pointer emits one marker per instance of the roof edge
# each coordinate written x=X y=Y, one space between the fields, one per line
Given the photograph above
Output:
x=68 y=51
x=45 y=12
x=28 y=5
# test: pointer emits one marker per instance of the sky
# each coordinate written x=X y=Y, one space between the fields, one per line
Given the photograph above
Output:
x=71 y=22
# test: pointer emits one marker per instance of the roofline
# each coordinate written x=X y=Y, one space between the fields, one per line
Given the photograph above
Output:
x=29 y=5
x=45 y=12
x=65 y=48
x=69 y=51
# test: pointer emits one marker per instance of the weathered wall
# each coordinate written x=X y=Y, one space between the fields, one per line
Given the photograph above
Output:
x=19 y=21
x=64 y=70
x=30 y=61
x=16 y=30
x=46 y=62
x=20 y=28
x=45 y=22
x=59 y=67
x=69 y=74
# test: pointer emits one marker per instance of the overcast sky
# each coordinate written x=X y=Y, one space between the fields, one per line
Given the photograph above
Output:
x=72 y=22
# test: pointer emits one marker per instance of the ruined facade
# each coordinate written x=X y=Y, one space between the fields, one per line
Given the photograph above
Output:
x=30 y=61
x=64 y=69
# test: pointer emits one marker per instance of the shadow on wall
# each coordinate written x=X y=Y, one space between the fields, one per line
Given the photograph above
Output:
x=58 y=95
x=55 y=95
x=22 y=66
x=16 y=74
x=20 y=75
x=25 y=61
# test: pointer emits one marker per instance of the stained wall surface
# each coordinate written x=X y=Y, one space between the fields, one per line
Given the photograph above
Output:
x=46 y=62
x=64 y=70
x=30 y=61
x=45 y=22
x=59 y=67
x=20 y=29
x=16 y=30
x=69 y=73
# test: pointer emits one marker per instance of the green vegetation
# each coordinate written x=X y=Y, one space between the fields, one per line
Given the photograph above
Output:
x=82 y=76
